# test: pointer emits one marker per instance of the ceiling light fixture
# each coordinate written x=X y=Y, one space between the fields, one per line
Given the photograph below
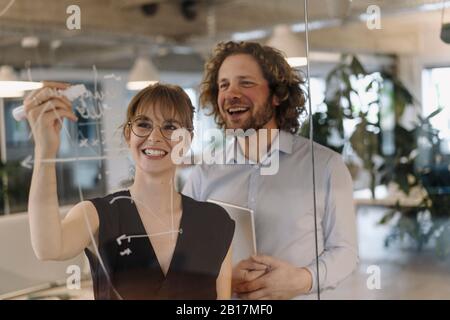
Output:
x=11 y=86
x=142 y=74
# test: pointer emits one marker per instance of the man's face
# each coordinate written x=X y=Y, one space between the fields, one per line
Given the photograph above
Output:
x=244 y=97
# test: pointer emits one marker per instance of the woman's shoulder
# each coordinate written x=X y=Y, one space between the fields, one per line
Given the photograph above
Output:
x=112 y=197
x=109 y=203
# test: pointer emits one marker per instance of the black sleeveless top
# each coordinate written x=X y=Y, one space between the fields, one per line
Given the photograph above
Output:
x=133 y=270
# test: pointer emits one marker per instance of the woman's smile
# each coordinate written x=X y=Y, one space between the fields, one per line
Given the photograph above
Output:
x=154 y=153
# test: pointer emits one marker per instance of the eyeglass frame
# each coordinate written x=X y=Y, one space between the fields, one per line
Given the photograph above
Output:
x=130 y=124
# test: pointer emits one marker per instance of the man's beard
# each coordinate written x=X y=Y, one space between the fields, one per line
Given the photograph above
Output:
x=258 y=120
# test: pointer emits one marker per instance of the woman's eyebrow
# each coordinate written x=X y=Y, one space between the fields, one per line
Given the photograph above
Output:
x=144 y=117
x=141 y=116
x=171 y=121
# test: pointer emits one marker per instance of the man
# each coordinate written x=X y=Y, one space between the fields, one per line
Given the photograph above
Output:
x=250 y=86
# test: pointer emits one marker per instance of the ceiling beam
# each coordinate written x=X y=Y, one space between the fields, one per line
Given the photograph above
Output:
x=125 y=4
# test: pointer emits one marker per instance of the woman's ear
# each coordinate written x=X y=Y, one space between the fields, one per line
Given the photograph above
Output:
x=126 y=135
x=188 y=140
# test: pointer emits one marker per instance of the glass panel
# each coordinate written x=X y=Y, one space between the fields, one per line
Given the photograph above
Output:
x=384 y=87
x=364 y=216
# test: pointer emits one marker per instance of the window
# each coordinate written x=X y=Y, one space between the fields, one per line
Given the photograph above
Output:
x=436 y=95
x=81 y=139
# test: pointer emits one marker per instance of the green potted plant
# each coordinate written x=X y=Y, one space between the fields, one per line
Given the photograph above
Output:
x=410 y=166
x=428 y=222
x=14 y=188
x=328 y=125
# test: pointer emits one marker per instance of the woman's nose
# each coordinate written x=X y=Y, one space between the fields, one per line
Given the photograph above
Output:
x=155 y=135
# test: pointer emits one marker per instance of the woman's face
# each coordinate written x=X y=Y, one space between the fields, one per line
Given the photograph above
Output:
x=150 y=140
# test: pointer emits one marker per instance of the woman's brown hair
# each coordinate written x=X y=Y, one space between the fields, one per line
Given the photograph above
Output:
x=172 y=99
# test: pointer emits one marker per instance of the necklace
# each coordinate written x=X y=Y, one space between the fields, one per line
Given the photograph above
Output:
x=170 y=228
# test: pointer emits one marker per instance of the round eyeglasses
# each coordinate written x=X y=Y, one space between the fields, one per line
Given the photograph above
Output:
x=142 y=128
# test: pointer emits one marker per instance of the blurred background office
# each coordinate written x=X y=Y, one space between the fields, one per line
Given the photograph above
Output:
x=379 y=74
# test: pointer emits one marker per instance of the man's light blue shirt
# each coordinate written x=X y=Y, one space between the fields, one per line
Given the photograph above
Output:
x=283 y=205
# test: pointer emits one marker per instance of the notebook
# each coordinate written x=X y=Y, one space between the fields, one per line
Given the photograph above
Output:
x=244 y=240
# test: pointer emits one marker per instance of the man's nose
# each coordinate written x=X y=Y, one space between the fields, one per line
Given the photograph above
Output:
x=233 y=93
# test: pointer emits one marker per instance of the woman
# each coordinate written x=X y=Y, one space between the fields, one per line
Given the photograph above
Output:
x=153 y=242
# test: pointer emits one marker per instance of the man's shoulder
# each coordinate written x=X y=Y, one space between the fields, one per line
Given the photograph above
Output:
x=300 y=142
x=321 y=153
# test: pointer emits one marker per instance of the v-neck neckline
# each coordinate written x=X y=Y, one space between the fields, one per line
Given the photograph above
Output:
x=144 y=231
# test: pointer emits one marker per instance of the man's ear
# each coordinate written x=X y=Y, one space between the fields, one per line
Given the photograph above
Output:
x=275 y=101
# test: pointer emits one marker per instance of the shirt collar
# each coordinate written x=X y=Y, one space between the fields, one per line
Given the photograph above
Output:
x=285 y=145
x=286 y=142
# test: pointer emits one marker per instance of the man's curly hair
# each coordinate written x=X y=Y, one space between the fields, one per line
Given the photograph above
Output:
x=284 y=82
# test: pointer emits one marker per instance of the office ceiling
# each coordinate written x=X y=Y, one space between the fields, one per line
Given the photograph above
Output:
x=113 y=31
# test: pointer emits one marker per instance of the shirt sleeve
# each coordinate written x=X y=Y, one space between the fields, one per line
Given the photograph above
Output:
x=340 y=255
x=192 y=186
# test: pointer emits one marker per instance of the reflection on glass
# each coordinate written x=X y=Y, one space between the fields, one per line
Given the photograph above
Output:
x=380 y=100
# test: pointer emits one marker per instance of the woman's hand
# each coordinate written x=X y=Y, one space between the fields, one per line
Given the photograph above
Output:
x=51 y=238
x=46 y=108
